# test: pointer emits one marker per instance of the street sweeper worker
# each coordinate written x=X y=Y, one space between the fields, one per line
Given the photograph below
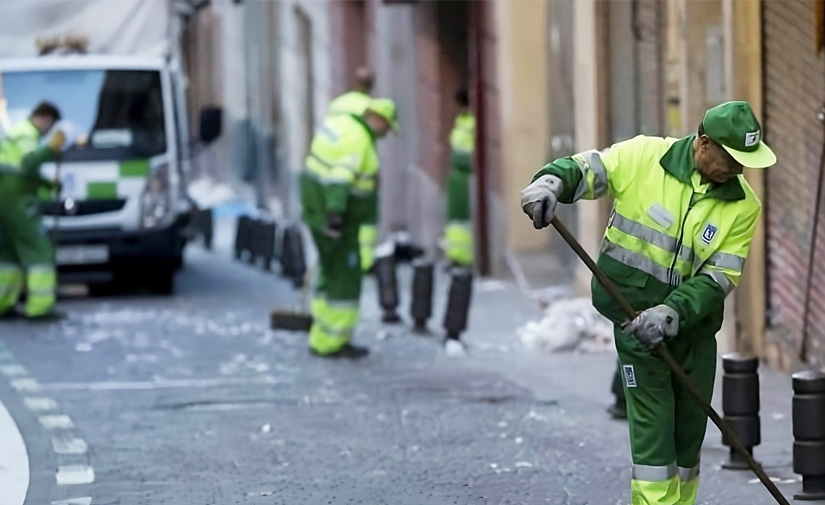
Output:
x=338 y=187
x=458 y=234
x=355 y=102
x=675 y=246
x=26 y=251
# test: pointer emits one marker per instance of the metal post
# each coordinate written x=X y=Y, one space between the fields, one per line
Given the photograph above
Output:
x=293 y=261
x=809 y=433
x=242 y=236
x=267 y=243
x=421 y=306
x=740 y=405
x=458 y=304
x=387 y=287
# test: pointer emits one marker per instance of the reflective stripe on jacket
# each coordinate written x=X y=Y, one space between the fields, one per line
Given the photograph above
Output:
x=671 y=238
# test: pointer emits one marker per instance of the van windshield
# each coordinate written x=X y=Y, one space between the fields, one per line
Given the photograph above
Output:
x=111 y=114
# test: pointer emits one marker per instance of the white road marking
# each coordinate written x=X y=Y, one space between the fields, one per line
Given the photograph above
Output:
x=160 y=384
x=13 y=370
x=14 y=461
x=75 y=474
x=40 y=404
x=25 y=385
x=73 y=501
x=56 y=422
x=72 y=446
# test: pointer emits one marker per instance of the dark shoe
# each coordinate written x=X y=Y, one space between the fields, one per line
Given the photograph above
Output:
x=618 y=410
x=10 y=315
x=50 y=317
x=349 y=351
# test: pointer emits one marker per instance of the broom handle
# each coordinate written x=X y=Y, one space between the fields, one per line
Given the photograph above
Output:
x=662 y=352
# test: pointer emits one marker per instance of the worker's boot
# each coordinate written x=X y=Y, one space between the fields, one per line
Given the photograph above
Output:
x=10 y=314
x=53 y=316
x=349 y=351
x=455 y=348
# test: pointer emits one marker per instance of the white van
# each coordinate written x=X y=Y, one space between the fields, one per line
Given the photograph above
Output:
x=123 y=211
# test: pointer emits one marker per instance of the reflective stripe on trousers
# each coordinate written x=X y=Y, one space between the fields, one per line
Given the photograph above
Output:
x=11 y=284
x=332 y=324
x=664 y=485
x=367 y=237
x=41 y=283
x=459 y=242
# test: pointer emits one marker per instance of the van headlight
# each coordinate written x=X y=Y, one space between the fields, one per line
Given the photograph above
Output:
x=156 y=201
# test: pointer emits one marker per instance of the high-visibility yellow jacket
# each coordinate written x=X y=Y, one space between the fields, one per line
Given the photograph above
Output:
x=20 y=158
x=462 y=142
x=352 y=102
x=671 y=238
x=340 y=173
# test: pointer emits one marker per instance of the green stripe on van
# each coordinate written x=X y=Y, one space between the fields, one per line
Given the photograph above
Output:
x=134 y=168
x=101 y=190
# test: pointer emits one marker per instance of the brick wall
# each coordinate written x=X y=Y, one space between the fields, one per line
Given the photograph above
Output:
x=794 y=89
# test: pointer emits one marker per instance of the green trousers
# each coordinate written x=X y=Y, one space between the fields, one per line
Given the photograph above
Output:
x=337 y=291
x=458 y=234
x=667 y=426
x=26 y=257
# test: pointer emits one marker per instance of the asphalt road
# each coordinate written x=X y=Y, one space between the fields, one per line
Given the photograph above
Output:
x=191 y=399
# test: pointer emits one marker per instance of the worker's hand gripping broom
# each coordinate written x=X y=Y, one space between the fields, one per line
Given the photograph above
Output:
x=663 y=353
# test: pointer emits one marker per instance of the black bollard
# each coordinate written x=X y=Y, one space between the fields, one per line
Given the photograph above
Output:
x=266 y=243
x=809 y=433
x=293 y=262
x=458 y=304
x=242 y=236
x=740 y=404
x=387 y=288
x=208 y=228
x=421 y=306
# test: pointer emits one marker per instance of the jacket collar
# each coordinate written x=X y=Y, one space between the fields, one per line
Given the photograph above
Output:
x=679 y=162
x=363 y=122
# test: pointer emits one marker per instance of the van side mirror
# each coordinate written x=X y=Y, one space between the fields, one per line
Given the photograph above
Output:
x=211 y=124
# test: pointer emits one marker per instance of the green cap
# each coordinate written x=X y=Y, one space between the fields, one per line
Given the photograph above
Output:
x=385 y=108
x=734 y=126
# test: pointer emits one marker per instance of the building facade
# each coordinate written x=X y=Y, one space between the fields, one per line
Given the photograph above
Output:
x=547 y=79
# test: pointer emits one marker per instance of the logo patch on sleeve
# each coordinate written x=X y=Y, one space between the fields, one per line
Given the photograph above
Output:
x=629 y=376
x=709 y=233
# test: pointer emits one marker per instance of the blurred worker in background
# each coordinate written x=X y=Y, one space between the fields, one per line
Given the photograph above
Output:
x=458 y=235
x=26 y=252
x=355 y=102
x=338 y=191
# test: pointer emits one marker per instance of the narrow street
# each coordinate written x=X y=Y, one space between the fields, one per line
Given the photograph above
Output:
x=191 y=399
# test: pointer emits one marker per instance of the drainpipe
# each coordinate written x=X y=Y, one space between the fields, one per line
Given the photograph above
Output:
x=477 y=16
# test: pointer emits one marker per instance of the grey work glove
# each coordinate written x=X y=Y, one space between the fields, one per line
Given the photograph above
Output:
x=653 y=325
x=539 y=199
